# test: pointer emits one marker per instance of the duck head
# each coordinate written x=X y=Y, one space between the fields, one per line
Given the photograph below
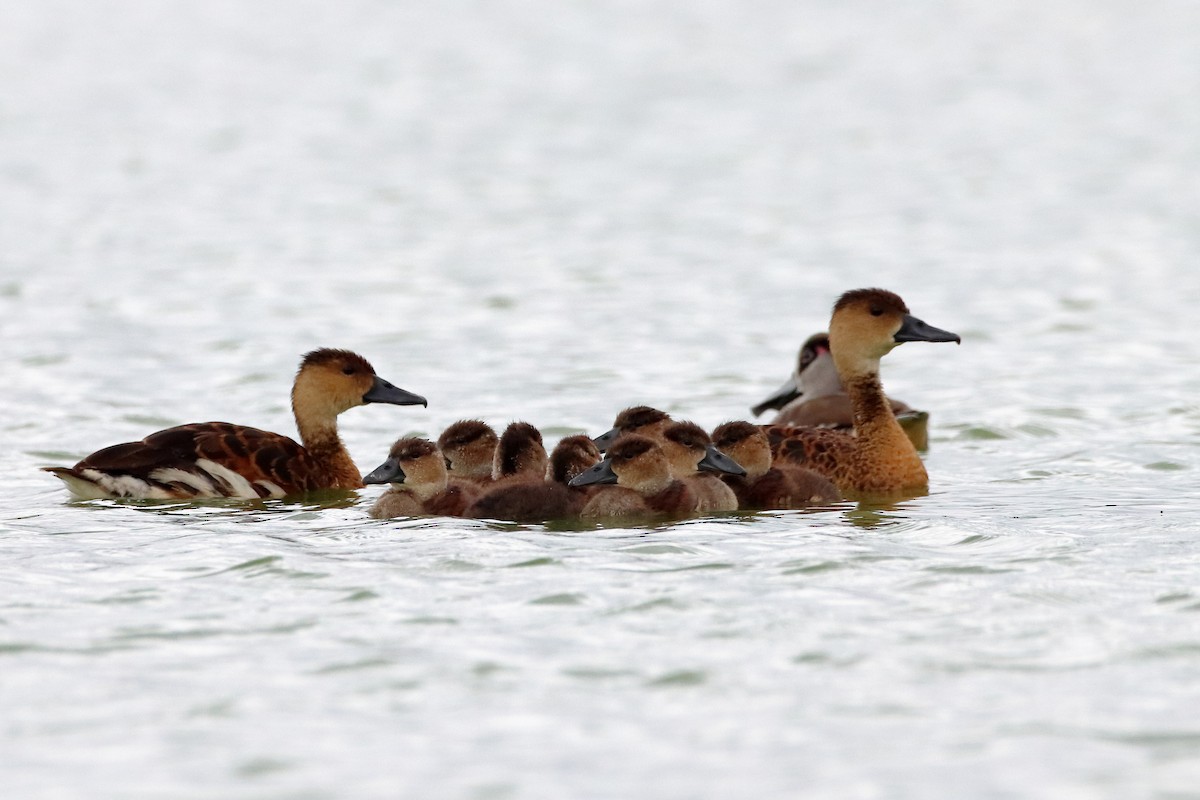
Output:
x=571 y=456
x=640 y=420
x=519 y=452
x=815 y=376
x=636 y=462
x=689 y=449
x=745 y=443
x=332 y=381
x=868 y=323
x=415 y=463
x=469 y=446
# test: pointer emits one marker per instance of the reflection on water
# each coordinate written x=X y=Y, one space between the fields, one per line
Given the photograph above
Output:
x=551 y=212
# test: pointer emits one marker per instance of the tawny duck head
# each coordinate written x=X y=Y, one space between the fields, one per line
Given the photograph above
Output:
x=571 y=456
x=520 y=452
x=469 y=446
x=416 y=463
x=639 y=420
x=866 y=325
x=636 y=462
x=745 y=443
x=332 y=381
x=689 y=449
x=815 y=376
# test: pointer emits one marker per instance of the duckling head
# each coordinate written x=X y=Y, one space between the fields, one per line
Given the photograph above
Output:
x=868 y=323
x=571 y=456
x=519 y=452
x=415 y=463
x=745 y=443
x=689 y=449
x=469 y=446
x=332 y=381
x=636 y=462
x=640 y=420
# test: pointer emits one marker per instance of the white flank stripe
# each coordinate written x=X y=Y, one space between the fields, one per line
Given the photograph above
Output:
x=202 y=485
x=125 y=486
x=274 y=489
x=238 y=485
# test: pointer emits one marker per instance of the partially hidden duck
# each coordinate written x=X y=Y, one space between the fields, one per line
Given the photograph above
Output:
x=878 y=457
x=766 y=486
x=469 y=446
x=522 y=490
x=695 y=461
x=218 y=459
x=815 y=397
x=644 y=483
x=419 y=483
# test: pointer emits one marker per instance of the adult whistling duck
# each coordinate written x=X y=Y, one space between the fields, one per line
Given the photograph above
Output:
x=420 y=484
x=767 y=487
x=814 y=397
x=217 y=459
x=695 y=461
x=878 y=458
x=644 y=483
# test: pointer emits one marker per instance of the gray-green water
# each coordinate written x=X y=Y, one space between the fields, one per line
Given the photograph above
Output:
x=549 y=211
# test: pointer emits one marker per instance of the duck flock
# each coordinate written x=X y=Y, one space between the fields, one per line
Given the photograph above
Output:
x=836 y=434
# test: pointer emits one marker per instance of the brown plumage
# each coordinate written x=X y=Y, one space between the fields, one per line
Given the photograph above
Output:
x=878 y=458
x=469 y=446
x=419 y=483
x=520 y=454
x=766 y=487
x=218 y=459
x=645 y=486
x=639 y=420
x=571 y=456
x=815 y=397
x=689 y=450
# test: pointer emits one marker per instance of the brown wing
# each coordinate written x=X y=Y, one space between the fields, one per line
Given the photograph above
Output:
x=254 y=454
x=827 y=451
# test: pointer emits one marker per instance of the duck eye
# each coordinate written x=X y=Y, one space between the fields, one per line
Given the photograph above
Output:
x=876 y=311
x=348 y=370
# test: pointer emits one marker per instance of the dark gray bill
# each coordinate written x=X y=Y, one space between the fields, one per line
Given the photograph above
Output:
x=383 y=392
x=915 y=330
x=605 y=440
x=779 y=398
x=601 y=472
x=716 y=461
x=387 y=472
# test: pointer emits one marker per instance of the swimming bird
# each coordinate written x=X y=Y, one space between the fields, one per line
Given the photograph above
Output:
x=522 y=497
x=814 y=397
x=644 y=483
x=520 y=454
x=642 y=420
x=420 y=483
x=767 y=487
x=878 y=458
x=695 y=461
x=469 y=446
x=217 y=459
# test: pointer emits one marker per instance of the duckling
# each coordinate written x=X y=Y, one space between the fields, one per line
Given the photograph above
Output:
x=689 y=450
x=814 y=397
x=520 y=454
x=645 y=485
x=766 y=487
x=571 y=456
x=521 y=490
x=469 y=446
x=416 y=470
x=217 y=459
x=642 y=420
x=878 y=457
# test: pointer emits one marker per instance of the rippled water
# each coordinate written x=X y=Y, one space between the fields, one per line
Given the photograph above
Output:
x=525 y=210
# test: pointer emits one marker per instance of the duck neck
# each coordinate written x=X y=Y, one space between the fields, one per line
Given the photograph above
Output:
x=320 y=438
x=874 y=420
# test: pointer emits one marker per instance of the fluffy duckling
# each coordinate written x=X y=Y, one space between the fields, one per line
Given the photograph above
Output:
x=641 y=420
x=878 y=458
x=420 y=485
x=523 y=491
x=217 y=459
x=571 y=456
x=814 y=397
x=520 y=454
x=644 y=483
x=767 y=487
x=469 y=446
x=695 y=461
